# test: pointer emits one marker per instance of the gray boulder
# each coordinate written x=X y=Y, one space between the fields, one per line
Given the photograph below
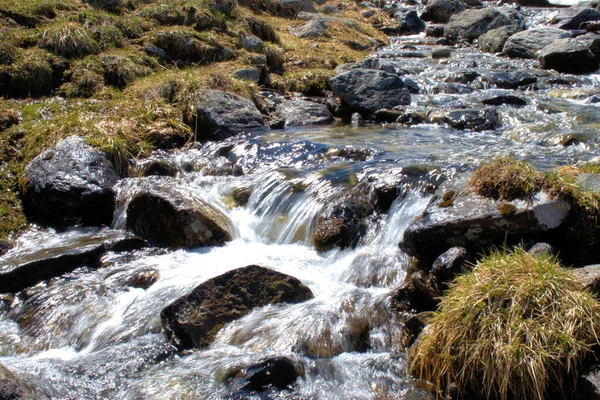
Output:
x=457 y=217
x=166 y=217
x=409 y=23
x=471 y=24
x=303 y=112
x=291 y=8
x=23 y=268
x=367 y=91
x=493 y=41
x=588 y=277
x=248 y=74
x=569 y=56
x=312 y=29
x=193 y=320
x=219 y=115
x=527 y=44
x=69 y=184
x=442 y=10
x=571 y=18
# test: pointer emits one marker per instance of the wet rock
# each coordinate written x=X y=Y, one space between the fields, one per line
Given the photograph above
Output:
x=588 y=385
x=20 y=270
x=142 y=279
x=507 y=99
x=195 y=319
x=12 y=387
x=303 y=112
x=413 y=327
x=493 y=41
x=440 y=52
x=571 y=18
x=542 y=248
x=411 y=118
x=448 y=265
x=158 y=168
x=169 y=218
x=387 y=115
x=276 y=372
x=468 y=220
x=69 y=184
x=527 y=44
x=409 y=23
x=568 y=56
x=471 y=24
x=468 y=119
x=442 y=10
x=5 y=245
x=277 y=123
x=510 y=79
x=591 y=26
x=367 y=91
x=419 y=293
x=589 y=277
x=312 y=29
x=434 y=31
x=219 y=115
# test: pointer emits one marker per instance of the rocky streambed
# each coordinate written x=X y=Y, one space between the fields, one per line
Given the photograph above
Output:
x=289 y=252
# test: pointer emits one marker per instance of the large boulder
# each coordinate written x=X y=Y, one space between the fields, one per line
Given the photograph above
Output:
x=442 y=10
x=569 y=56
x=303 y=112
x=471 y=24
x=572 y=17
x=456 y=216
x=218 y=115
x=493 y=41
x=69 y=184
x=527 y=44
x=22 y=268
x=166 y=217
x=367 y=91
x=195 y=319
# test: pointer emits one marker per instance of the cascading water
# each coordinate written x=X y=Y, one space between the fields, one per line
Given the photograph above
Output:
x=91 y=334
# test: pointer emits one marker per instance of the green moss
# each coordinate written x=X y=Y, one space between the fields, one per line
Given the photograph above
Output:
x=507 y=209
x=518 y=326
x=31 y=74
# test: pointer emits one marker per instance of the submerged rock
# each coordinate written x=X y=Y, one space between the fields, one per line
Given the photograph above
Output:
x=168 y=218
x=219 y=115
x=195 y=319
x=510 y=79
x=568 y=56
x=457 y=217
x=366 y=90
x=468 y=119
x=69 y=184
x=22 y=269
x=527 y=44
x=276 y=372
x=471 y=24
x=303 y=112
x=507 y=99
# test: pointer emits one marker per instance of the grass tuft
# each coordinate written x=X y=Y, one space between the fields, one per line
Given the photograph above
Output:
x=506 y=179
x=68 y=40
x=517 y=326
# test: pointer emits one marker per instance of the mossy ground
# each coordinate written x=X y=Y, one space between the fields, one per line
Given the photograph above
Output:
x=88 y=68
x=518 y=326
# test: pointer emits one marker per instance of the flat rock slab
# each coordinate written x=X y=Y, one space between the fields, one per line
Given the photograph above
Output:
x=22 y=268
x=69 y=184
x=303 y=112
x=367 y=90
x=572 y=17
x=193 y=321
x=219 y=115
x=527 y=44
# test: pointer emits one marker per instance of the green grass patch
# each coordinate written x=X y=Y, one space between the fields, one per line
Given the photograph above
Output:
x=517 y=326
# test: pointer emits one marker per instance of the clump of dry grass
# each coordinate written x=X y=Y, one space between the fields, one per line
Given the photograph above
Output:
x=506 y=179
x=518 y=326
x=68 y=40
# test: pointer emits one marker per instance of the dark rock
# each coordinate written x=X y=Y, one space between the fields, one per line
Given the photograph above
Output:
x=312 y=29
x=510 y=79
x=471 y=24
x=303 y=112
x=541 y=248
x=276 y=372
x=69 y=184
x=434 y=31
x=571 y=18
x=442 y=10
x=387 y=115
x=447 y=266
x=568 y=56
x=588 y=385
x=476 y=222
x=440 y=52
x=527 y=44
x=413 y=87
x=12 y=387
x=79 y=248
x=357 y=120
x=493 y=41
x=468 y=119
x=508 y=99
x=589 y=277
x=329 y=9
x=169 y=218
x=5 y=245
x=409 y=23
x=142 y=279
x=195 y=319
x=251 y=43
x=590 y=26
x=277 y=123
x=419 y=293
x=411 y=118
x=413 y=327
x=219 y=115
x=367 y=91
x=291 y=8
x=158 y=168
x=241 y=195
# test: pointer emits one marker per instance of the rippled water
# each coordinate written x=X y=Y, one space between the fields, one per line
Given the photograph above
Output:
x=90 y=335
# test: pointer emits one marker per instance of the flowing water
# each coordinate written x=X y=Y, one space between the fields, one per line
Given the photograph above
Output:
x=88 y=335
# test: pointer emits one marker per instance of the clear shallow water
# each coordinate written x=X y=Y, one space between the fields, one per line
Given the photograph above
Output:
x=89 y=335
